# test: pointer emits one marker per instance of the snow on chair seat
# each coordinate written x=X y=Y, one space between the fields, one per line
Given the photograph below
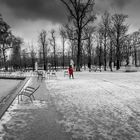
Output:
x=28 y=92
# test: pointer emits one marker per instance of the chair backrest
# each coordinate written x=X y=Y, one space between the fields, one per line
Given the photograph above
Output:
x=32 y=89
x=37 y=88
x=53 y=73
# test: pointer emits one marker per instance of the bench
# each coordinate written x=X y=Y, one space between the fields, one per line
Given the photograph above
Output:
x=28 y=92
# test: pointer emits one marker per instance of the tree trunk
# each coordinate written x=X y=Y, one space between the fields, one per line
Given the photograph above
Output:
x=44 y=58
x=110 y=60
x=4 y=58
x=89 y=54
x=118 y=65
x=54 y=57
x=100 y=55
x=118 y=55
x=135 y=57
x=105 y=54
x=100 y=61
x=79 y=52
x=63 y=63
x=33 y=64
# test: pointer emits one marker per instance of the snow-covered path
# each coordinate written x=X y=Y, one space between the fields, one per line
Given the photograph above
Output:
x=99 y=105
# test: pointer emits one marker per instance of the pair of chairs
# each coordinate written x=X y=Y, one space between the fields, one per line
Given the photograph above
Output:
x=40 y=75
x=43 y=75
x=51 y=75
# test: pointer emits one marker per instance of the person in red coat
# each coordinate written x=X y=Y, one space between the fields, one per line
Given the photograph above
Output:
x=70 y=70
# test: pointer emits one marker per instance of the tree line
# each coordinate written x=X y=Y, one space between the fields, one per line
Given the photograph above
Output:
x=87 y=42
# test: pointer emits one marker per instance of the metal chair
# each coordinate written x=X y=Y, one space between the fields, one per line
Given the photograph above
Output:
x=28 y=92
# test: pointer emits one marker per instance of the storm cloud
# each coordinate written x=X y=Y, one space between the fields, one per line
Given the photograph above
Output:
x=52 y=10
x=36 y=9
x=120 y=3
x=102 y=5
x=28 y=17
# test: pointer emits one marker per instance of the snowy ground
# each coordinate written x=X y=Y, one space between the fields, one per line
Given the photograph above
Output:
x=95 y=106
x=98 y=106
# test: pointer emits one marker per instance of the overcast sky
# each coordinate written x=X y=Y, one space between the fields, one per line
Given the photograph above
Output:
x=28 y=17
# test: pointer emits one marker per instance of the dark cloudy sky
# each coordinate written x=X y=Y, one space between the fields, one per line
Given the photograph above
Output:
x=28 y=17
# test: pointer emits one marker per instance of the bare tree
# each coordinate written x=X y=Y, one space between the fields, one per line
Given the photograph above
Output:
x=110 y=55
x=53 y=44
x=80 y=15
x=126 y=50
x=24 y=59
x=111 y=52
x=99 y=49
x=43 y=45
x=33 y=56
x=16 y=52
x=105 y=25
x=89 y=38
x=119 y=29
x=70 y=32
x=64 y=36
x=135 y=37
x=5 y=39
x=100 y=44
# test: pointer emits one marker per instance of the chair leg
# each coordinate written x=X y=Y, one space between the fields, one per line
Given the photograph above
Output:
x=33 y=97
x=21 y=98
x=18 y=99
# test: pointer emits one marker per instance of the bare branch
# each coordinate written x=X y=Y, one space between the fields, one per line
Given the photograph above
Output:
x=69 y=9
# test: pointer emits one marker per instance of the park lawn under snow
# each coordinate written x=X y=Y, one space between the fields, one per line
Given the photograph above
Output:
x=104 y=106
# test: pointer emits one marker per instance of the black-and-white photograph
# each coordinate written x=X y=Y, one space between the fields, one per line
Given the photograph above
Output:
x=69 y=69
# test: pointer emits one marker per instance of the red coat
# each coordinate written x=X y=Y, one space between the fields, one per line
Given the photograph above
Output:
x=70 y=70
